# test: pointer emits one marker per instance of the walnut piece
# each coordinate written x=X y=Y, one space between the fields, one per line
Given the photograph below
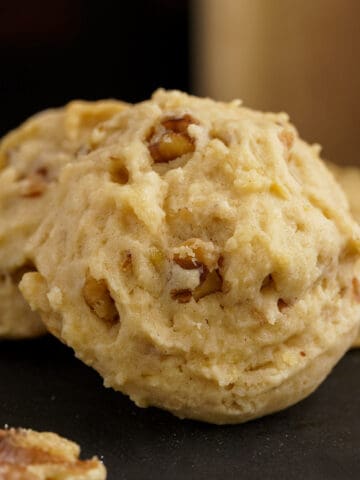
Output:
x=194 y=252
x=187 y=262
x=126 y=264
x=171 y=139
x=287 y=137
x=210 y=282
x=281 y=304
x=179 y=124
x=356 y=288
x=35 y=183
x=99 y=300
x=182 y=296
x=203 y=256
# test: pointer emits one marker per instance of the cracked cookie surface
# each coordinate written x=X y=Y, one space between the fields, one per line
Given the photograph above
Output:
x=204 y=260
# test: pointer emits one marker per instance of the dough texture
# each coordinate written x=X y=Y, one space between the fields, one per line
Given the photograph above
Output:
x=29 y=455
x=349 y=179
x=201 y=258
x=30 y=160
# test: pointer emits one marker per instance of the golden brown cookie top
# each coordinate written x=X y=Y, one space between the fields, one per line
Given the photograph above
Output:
x=29 y=455
x=31 y=158
x=201 y=258
x=45 y=142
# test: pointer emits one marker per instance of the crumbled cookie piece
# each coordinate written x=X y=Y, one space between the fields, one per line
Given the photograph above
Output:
x=29 y=455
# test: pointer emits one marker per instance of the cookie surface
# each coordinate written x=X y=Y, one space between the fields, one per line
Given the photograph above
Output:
x=29 y=455
x=30 y=159
x=349 y=179
x=205 y=260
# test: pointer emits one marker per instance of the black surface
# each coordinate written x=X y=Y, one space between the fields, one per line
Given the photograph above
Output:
x=44 y=387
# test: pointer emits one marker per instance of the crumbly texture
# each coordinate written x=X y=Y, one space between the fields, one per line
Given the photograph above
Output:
x=349 y=179
x=30 y=160
x=201 y=258
x=29 y=455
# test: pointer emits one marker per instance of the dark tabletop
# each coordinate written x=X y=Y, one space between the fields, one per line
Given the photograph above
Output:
x=45 y=388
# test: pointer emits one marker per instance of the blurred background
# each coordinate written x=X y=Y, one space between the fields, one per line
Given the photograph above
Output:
x=301 y=57
x=53 y=51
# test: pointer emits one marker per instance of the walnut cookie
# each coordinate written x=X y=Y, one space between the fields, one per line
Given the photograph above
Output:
x=30 y=159
x=29 y=455
x=349 y=180
x=201 y=258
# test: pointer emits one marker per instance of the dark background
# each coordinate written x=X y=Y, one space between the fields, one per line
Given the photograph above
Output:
x=52 y=51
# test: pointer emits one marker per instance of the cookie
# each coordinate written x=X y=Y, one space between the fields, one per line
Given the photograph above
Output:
x=349 y=179
x=201 y=258
x=29 y=455
x=30 y=160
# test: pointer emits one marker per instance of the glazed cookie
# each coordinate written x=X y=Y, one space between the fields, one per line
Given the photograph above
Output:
x=349 y=179
x=201 y=258
x=29 y=455
x=30 y=159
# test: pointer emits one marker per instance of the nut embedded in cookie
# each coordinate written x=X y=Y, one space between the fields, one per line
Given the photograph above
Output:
x=170 y=139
